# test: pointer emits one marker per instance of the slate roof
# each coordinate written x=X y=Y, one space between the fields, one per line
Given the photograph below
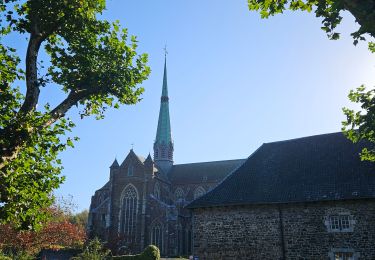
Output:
x=314 y=168
x=202 y=172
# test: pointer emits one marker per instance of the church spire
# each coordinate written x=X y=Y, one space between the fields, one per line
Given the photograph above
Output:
x=163 y=146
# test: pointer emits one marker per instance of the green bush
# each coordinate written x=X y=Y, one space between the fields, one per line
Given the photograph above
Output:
x=93 y=251
x=150 y=253
x=17 y=256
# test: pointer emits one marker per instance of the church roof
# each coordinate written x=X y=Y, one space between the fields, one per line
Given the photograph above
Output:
x=315 y=168
x=202 y=172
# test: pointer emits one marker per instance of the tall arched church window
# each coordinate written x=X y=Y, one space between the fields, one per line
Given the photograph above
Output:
x=157 y=190
x=130 y=170
x=199 y=191
x=179 y=194
x=157 y=236
x=129 y=210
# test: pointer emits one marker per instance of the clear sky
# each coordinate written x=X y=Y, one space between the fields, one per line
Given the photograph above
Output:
x=235 y=81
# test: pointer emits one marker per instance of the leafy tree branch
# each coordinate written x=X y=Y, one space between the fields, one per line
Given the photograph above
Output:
x=359 y=125
x=96 y=66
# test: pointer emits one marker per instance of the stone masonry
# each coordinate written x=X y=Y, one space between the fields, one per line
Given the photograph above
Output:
x=285 y=231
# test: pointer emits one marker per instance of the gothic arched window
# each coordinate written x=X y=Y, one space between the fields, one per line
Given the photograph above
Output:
x=157 y=236
x=129 y=210
x=179 y=194
x=157 y=190
x=199 y=192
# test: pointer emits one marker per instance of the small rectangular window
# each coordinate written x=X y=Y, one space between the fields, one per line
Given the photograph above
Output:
x=343 y=256
x=340 y=222
x=345 y=222
x=335 y=222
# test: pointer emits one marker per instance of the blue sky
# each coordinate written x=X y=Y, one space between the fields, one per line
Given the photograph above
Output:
x=235 y=81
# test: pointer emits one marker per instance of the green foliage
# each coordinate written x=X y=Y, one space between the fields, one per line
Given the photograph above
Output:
x=4 y=257
x=94 y=250
x=16 y=256
x=329 y=10
x=360 y=125
x=80 y=219
x=95 y=65
x=151 y=252
x=26 y=182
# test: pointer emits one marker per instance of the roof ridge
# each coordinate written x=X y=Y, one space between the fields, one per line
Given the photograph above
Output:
x=210 y=162
x=303 y=137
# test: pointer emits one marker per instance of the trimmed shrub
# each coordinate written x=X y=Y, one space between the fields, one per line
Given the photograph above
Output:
x=151 y=252
x=93 y=251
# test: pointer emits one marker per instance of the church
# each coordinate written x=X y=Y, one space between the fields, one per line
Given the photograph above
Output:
x=144 y=200
x=305 y=198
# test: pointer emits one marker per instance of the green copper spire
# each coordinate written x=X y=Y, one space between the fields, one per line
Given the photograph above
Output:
x=163 y=134
x=164 y=92
x=163 y=146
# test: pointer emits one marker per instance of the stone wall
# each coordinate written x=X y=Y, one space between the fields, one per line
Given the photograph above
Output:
x=236 y=233
x=256 y=232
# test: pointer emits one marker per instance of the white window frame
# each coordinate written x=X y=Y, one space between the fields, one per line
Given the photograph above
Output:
x=341 y=222
x=333 y=254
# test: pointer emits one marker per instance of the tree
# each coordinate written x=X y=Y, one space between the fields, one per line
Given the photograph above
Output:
x=359 y=125
x=94 y=65
x=329 y=10
x=80 y=219
x=56 y=233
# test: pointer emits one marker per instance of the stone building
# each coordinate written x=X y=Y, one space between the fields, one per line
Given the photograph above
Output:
x=307 y=198
x=143 y=201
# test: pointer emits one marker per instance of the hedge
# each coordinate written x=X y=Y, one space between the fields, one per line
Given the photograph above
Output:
x=151 y=252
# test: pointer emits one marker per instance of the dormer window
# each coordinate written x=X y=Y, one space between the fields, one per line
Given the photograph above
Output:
x=130 y=170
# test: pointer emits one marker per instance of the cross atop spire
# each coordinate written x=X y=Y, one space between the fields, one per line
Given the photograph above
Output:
x=165 y=51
